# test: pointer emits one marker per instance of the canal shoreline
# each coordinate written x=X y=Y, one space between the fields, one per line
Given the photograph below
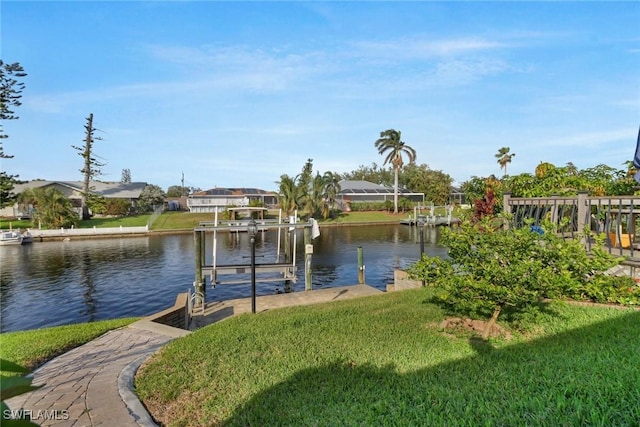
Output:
x=121 y=232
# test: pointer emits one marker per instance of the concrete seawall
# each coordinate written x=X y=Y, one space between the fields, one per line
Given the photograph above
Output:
x=85 y=233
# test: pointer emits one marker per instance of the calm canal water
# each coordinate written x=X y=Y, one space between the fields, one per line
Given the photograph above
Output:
x=57 y=283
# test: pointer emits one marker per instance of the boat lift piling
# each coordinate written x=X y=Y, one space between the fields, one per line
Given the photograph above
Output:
x=283 y=271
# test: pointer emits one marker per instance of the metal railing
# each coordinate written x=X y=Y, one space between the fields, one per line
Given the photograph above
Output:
x=615 y=217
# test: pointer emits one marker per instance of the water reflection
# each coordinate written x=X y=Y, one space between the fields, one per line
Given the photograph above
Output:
x=54 y=283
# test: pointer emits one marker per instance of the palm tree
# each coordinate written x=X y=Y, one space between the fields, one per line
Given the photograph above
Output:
x=287 y=194
x=331 y=191
x=315 y=198
x=51 y=208
x=390 y=144
x=504 y=158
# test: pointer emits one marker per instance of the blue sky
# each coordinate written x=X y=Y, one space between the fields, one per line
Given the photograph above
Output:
x=234 y=94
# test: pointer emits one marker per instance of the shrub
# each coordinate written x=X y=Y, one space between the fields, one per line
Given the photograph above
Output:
x=491 y=270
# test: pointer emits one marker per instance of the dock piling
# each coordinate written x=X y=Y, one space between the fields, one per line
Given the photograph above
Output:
x=360 y=265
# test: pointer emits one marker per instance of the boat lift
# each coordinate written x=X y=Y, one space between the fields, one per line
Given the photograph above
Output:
x=277 y=271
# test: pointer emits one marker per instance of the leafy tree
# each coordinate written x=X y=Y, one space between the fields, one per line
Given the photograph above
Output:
x=97 y=204
x=373 y=173
x=51 y=209
x=504 y=158
x=476 y=191
x=391 y=145
x=91 y=166
x=436 y=185
x=117 y=207
x=490 y=271
x=550 y=180
x=126 y=176
x=151 y=197
x=10 y=93
x=177 y=191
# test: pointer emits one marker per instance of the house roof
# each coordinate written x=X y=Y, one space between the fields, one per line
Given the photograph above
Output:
x=117 y=190
x=237 y=192
x=366 y=187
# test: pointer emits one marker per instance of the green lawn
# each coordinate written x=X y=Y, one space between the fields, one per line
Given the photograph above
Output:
x=6 y=224
x=187 y=220
x=127 y=221
x=383 y=360
x=33 y=347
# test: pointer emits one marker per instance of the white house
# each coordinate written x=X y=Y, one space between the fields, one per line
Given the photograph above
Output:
x=219 y=199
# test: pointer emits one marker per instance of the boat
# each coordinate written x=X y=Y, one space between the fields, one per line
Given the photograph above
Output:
x=9 y=238
x=13 y=237
x=27 y=237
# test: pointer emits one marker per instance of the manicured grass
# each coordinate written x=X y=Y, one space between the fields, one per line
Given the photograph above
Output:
x=34 y=347
x=187 y=220
x=180 y=220
x=6 y=224
x=372 y=216
x=382 y=360
x=127 y=221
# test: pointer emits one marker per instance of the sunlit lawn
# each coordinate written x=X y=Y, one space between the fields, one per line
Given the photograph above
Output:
x=34 y=347
x=383 y=360
x=187 y=220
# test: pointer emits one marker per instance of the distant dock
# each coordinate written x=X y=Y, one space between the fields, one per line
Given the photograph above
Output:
x=434 y=216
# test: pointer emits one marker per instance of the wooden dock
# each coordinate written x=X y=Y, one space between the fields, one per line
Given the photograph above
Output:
x=216 y=311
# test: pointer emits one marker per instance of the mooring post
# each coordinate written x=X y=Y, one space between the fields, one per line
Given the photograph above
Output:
x=287 y=257
x=308 y=253
x=198 y=284
x=360 y=265
x=252 y=228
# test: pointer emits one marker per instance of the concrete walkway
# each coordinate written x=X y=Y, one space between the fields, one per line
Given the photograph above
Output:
x=92 y=385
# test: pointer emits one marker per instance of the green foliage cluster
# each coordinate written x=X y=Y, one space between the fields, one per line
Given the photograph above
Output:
x=109 y=207
x=548 y=180
x=404 y=205
x=387 y=205
x=436 y=185
x=312 y=195
x=493 y=270
x=151 y=197
x=373 y=173
x=50 y=208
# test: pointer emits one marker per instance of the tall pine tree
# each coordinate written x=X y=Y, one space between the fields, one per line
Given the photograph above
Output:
x=10 y=94
x=91 y=168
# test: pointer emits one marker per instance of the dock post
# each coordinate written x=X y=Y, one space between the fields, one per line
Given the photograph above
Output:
x=287 y=257
x=198 y=284
x=360 y=266
x=308 y=253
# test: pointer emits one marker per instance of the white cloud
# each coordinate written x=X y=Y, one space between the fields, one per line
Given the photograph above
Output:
x=421 y=49
x=596 y=139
